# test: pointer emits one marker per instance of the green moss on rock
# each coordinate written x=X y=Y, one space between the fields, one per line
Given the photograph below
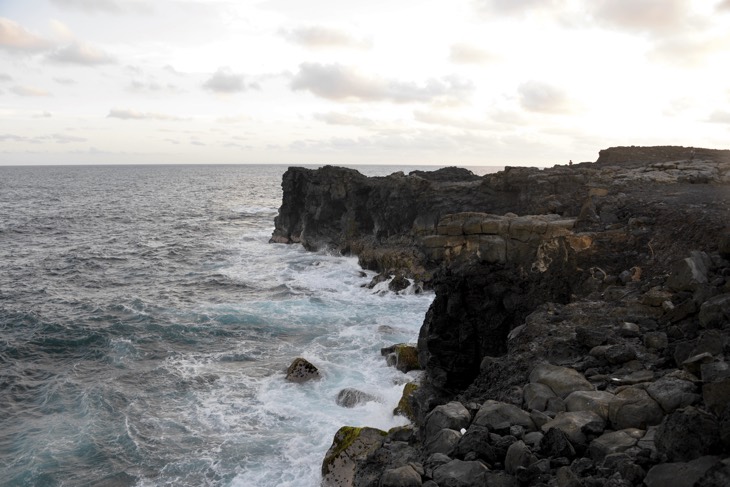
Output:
x=404 y=407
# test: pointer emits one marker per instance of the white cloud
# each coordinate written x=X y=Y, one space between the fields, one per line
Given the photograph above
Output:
x=536 y=96
x=29 y=91
x=151 y=86
x=654 y=16
x=688 y=51
x=64 y=81
x=513 y=6
x=337 y=118
x=225 y=81
x=469 y=54
x=80 y=53
x=719 y=116
x=319 y=37
x=104 y=6
x=14 y=37
x=5 y=77
x=126 y=114
x=725 y=5
x=345 y=83
x=437 y=118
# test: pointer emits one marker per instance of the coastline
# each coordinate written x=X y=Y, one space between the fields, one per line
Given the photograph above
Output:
x=581 y=306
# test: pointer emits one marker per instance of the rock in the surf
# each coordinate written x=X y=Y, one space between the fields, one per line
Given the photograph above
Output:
x=349 y=446
x=301 y=370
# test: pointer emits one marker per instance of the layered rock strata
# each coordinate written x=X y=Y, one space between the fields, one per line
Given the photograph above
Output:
x=579 y=330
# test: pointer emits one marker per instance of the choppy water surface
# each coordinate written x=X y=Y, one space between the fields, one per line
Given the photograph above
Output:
x=146 y=323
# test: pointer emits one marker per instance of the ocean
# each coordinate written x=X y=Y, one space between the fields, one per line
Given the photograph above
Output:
x=146 y=325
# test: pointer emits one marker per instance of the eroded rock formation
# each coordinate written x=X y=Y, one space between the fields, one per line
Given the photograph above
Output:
x=580 y=316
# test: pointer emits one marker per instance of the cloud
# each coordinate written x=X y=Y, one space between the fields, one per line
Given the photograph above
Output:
x=687 y=51
x=436 y=118
x=64 y=81
x=724 y=5
x=28 y=91
x=225 y=81
x=468 y=54
x=344 y=83
x=104 y=6
x=14 y=37
x=126 y=114
x=536 y=96
x=152 y=86
x=57 y=138
x=653 y=16
x=80 y=53
x=719 y=116
x=319 y=37
x=336 y=118
x=5 y=77
x=512 y=7
x=44 y=114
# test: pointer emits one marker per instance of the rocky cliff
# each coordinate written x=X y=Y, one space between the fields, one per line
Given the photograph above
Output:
x=613 y=273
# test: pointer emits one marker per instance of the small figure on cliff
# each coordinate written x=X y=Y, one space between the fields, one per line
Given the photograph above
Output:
x=570 y=162
x=691 y=153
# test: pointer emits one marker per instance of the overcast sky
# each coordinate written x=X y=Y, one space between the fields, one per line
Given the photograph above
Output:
x=457 y=82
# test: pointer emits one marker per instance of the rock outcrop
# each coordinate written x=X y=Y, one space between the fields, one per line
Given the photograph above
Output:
x=580 y=332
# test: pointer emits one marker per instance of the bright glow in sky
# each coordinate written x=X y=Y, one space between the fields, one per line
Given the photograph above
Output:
x=458 y=82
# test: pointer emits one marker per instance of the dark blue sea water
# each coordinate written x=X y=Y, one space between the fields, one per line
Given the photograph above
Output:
x=146 y=323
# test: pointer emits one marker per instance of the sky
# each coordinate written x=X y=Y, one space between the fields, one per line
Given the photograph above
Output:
x=448 y=82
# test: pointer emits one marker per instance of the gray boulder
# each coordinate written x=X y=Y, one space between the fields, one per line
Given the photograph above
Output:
x=671 y=393
x=452 y=416
x=715 y=312
x=562 y=380
x=458 y=473
x=536 y=396
x=614 y=442
x=679 y=474
x=476 y=441
x=634 y=408
x=497 y=415
x=405 y=476
x=443 y=441
x=349 y=398
x=687 y=274
x=572 y=424
x=595 y=401
x=518 y=455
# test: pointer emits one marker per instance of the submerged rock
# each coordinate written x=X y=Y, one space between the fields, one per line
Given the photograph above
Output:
x=349 y=398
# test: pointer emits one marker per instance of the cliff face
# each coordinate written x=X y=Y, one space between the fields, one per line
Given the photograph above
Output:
x=603 y=267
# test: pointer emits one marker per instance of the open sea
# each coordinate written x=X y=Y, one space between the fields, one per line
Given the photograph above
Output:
x=146 y=325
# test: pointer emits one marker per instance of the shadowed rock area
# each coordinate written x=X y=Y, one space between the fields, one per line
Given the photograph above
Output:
x=579 y=330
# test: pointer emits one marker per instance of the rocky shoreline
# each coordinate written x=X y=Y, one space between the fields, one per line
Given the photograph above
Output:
x=579 y=334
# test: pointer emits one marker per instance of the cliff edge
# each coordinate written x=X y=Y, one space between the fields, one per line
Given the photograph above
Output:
x=581 y=312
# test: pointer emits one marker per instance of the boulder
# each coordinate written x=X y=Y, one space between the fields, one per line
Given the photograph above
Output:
x=458 y=473
x=688 y=273
x=443 y=441
x=349 y=446
x=715 y=372
x=671 y=393
x=536 y=396
x=687 y=434
x=404 y=476
x=715 y=312
x=716 y=395
x=555 y=443
x=679 y=474
x=452 y=416
x=518 y=455
x=349 y=398
x=656 y=340
x=562 y=380
x=595 y=401
x=302 y=370
x=634 y=408
x=614 y=442
x=403 y=356
x=497 y=416
x=572 y=424
x=476 y=441
x=405 y=407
